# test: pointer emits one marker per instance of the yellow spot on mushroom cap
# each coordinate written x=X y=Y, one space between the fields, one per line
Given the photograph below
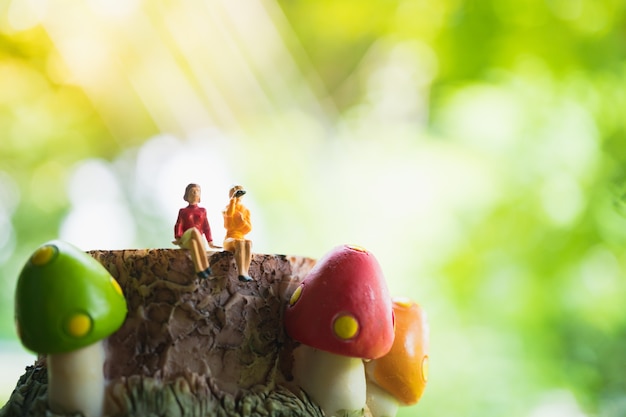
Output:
x=295 y=296
x=117 y=287
x=425 y=368
x=357 y=248
x=43 y=255
x=78 y=325
x=345 y=327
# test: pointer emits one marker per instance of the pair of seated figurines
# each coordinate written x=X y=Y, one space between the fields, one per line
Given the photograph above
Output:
x=192 y=226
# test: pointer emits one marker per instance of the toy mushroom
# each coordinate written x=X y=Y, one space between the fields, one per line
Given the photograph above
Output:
x=399 y=377
x=341 y=313
x=65 y=304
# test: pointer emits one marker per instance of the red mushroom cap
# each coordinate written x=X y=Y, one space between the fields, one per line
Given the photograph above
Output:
x=343 y=306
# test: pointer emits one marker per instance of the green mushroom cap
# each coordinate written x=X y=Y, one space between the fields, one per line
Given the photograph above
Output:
x=66 y=300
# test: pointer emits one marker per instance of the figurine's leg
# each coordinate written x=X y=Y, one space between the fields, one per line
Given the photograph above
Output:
x=237 y=247
x=229 y=245
x=199 y=259
x=247 y=254
x=192 y=240
x=241 y=257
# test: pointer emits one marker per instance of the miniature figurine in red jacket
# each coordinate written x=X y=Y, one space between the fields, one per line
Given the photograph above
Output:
x=237 y=224
x=191 y=224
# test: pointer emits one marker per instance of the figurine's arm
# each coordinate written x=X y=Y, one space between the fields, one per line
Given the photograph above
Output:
x=178 y=227
x=205 y=228
x=232 y=206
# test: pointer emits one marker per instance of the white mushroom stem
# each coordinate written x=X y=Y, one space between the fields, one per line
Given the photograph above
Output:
x=76 y=381
x=334 y=382
x=380 y=402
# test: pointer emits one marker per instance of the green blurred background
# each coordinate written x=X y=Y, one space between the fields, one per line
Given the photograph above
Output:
x=475 y=146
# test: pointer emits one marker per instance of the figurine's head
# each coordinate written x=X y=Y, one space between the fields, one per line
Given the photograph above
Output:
x=236 y=191
x=192 y=194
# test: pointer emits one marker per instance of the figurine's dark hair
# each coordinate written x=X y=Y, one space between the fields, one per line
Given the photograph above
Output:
x=188 y=188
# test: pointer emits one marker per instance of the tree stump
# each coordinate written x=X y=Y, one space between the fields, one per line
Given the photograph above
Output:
x=192 y=346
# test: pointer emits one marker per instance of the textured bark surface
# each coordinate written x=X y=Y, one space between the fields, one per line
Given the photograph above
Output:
x=190 y=346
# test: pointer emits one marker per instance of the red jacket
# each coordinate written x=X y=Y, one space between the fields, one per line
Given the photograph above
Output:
x=192 y=216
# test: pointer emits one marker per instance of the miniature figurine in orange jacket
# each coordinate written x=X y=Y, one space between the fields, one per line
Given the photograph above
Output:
x=237 y=225
x=191 y=224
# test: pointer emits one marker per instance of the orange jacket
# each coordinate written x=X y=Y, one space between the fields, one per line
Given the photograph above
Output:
x=236 y=220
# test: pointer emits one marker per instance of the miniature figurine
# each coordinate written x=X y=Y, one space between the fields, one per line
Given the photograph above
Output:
x=66 y=304
x=237 y=225
x=191 y=224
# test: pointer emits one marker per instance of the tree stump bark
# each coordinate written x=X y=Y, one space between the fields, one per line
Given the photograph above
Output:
x=192 y=346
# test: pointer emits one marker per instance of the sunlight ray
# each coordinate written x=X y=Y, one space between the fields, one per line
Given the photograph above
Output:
x=183 y=65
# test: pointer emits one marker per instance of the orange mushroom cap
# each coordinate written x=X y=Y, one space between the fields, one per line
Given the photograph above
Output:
x=343 y=306
x=403 y=371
